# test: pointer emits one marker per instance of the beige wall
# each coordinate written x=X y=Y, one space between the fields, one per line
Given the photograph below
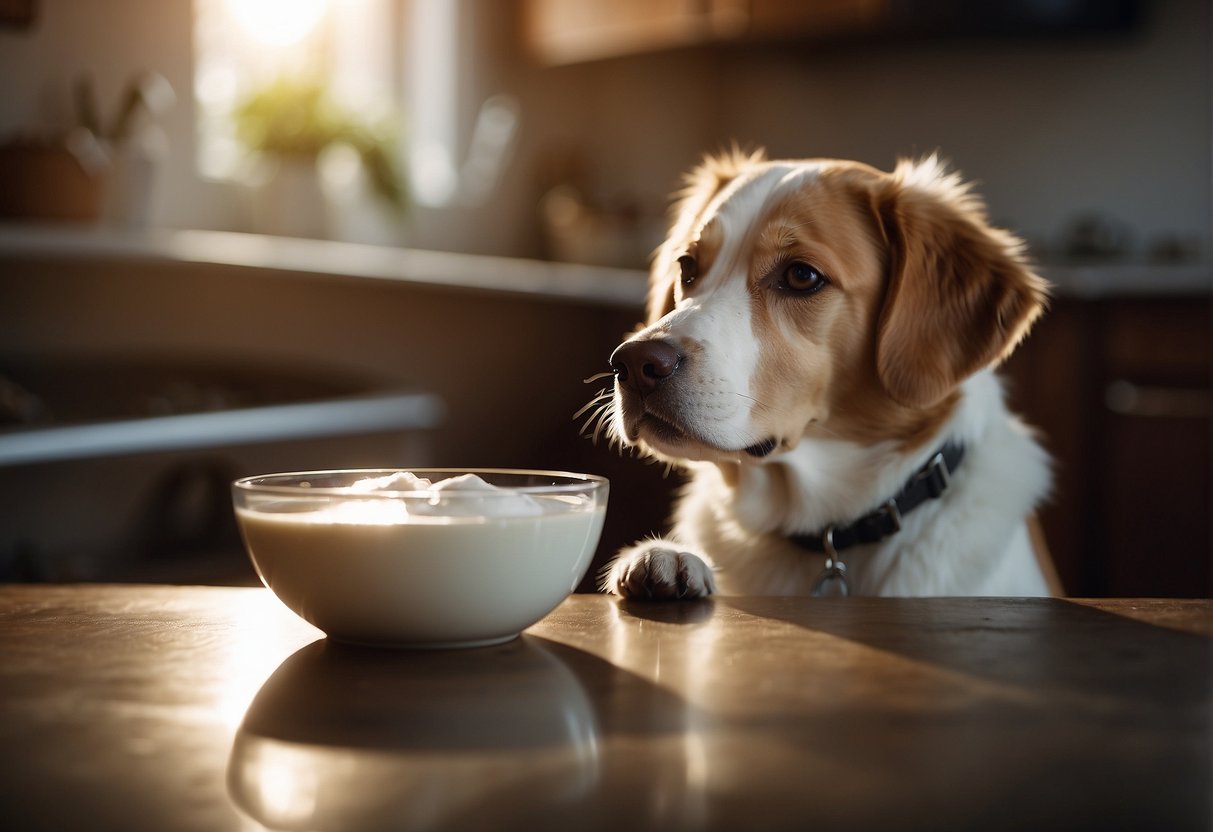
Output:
x=1051 y=130
x=112 y=41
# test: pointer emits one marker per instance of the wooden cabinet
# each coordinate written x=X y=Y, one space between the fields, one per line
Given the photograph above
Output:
x=1119 y=388
x=569 y=31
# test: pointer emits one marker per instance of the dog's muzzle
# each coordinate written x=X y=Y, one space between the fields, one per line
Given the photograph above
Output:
x=641 y=368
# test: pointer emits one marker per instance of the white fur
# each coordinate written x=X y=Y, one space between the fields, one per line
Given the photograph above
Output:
x=972 y=541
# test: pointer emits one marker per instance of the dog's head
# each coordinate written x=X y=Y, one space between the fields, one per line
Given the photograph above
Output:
x=817 y=297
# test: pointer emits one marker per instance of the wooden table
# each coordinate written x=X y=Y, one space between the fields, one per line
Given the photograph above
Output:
x=189 y=708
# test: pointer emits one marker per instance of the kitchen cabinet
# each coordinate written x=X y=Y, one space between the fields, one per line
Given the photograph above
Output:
x=569 y=31
x=1119 y=388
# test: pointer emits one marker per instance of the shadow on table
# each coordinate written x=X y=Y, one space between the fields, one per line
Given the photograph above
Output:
x=1007 y=713
x=670 y=612
x=1046 y=645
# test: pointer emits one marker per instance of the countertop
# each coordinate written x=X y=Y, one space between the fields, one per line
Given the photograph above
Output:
x=182 y=708
x=329 y=259
x=536 y=278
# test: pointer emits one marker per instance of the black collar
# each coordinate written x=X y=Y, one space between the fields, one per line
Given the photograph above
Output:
x=928 y=483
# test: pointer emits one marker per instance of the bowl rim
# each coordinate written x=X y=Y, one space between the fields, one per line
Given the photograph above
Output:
x=581 y=483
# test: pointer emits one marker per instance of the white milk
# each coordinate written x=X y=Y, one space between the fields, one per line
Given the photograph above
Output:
x=362 y=570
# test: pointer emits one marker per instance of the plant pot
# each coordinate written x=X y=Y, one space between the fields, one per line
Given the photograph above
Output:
x=48 y=182
x=291 y=201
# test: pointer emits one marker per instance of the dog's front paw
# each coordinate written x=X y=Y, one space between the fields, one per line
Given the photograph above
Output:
x=654 y=571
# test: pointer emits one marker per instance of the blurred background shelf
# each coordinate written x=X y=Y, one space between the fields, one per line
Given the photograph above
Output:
x=325 y=258
x=121 y=469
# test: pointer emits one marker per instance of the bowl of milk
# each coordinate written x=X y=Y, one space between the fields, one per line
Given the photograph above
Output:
x=425 y=558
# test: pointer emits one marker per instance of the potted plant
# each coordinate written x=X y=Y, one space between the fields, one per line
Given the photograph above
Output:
x=291 y=122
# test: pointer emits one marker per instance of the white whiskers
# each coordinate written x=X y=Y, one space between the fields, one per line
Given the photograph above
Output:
x=757 y=404
x=601 y=410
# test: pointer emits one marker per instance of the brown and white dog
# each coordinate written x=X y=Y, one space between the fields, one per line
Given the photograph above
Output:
x=818 y=355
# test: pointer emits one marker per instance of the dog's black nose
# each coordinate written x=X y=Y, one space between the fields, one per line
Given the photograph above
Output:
x=642 y=365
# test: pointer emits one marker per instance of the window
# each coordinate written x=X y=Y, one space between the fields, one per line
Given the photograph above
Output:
x=376 y=58
x=244 y=45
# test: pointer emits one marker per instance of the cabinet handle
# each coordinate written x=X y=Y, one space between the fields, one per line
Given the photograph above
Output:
x=1129 y=399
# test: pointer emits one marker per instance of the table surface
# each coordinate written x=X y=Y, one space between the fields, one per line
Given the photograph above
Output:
x=182 y=708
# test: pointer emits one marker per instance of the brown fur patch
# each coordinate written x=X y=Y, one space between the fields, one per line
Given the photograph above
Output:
x=960 y=294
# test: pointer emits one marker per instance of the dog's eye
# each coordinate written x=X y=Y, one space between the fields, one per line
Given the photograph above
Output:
x=803 y=279
x=690 y=269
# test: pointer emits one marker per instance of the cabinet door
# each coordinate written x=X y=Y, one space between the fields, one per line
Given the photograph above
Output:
x=1154 y=449
x=1119 y=391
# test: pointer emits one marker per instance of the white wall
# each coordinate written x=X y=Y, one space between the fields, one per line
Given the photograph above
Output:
x=113 y=40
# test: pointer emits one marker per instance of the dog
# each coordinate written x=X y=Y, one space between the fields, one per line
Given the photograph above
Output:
x=819 y=356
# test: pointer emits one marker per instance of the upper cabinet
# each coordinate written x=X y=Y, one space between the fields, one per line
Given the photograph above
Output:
x=571 y=31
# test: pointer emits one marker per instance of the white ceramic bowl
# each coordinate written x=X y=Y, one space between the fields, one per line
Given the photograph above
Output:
x=396 y=563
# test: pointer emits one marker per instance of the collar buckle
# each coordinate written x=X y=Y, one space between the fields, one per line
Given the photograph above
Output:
x=935 y=476
x=891 y=511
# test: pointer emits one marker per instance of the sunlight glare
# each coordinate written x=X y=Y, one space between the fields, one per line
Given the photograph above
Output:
x=277 y=22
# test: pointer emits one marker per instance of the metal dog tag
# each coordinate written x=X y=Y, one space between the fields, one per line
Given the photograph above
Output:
x=832 y=582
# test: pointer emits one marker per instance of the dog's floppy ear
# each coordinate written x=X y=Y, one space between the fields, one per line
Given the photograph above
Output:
x=700 y=186
x=960 y=295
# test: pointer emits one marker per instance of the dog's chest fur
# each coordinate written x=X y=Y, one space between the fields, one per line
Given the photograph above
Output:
x=971 y=541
